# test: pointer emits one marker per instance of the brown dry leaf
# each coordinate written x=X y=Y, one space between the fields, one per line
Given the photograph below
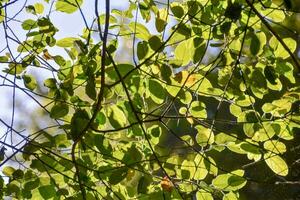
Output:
x=46 y=55
x=183 y=75
x=166 y=184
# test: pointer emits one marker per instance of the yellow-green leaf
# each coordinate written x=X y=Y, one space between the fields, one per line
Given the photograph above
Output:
x=157 y=91
x=281 y=51
x=116 y=117
x=68 y=6
x=66 y=42
x=204 y=195
x=29 y=82
x=204 y=136
x=276 y=164
x=184 y=52
x=39 y=8
x=275 y=146
x=140 y=30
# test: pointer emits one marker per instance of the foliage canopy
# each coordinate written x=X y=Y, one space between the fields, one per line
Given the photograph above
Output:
x=201 y=105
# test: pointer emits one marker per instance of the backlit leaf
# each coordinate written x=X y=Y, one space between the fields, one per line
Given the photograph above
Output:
x=204 y=136
x=276 y=164
x=157 y=91
x=66 y=42
x=68 y=6
x=59 y=110
x=47 y=191
x=140 y=30
x=29 y=82
x=230 y=182
x=116 y=117
x=204 y=195
x=142 y=50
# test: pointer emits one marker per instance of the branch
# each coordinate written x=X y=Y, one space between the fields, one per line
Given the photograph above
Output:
x=287 y=183
x=100 y=94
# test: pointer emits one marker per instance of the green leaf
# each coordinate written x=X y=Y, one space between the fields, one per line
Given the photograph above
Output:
x=30 y=185
x=62 y=141
x=157 y=91
x=175 y=91
x=262 y=41
x=280 y=52
x=155 y=130
x=39 y=8
x=184 y=30
x=59 y=60
x=2 y=16
x=44 y=22
x=160 y=24
x=275 y=146
x=230 y=182
x=224 y=139
x=250 y=148
x=233 y=11
x=67 y=6
x=29 y=24
x=275 y=15
x=13 y=187
x=101 y=118
x=118 y=175
x=90 y=89
x=143 y=184
x=112 y=19
x=184 y=52
x=18 y=174
x=204 y=136
x=140 y=30
x=188 y=169
x=230 y=196
x=8 y=171
x=2 y=153
x=155 y=43
x=50 y=83
x=161 y=20
x=59 y=110
x=142 y=50
x=79 y=122
x=30 y=9
x=66 y=42
x=132 y=155
x=177 y=9
x=3 y=59
x=204 y=195
x=286 y=69
x=213 y=168
x=199 y=53
x=101 y=143
x=29 y=82
x=201 y=167
x=47 y=191
x=123 y=69
x=270 y=74
x=255 y=44
x=116 y=117
x=197 y=109
x=276 y=164
x=112 y=47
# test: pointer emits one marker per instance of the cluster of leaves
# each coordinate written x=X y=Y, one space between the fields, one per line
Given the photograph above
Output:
x=214 y=79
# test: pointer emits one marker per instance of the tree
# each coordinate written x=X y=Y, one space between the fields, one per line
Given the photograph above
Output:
x=205 y=105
